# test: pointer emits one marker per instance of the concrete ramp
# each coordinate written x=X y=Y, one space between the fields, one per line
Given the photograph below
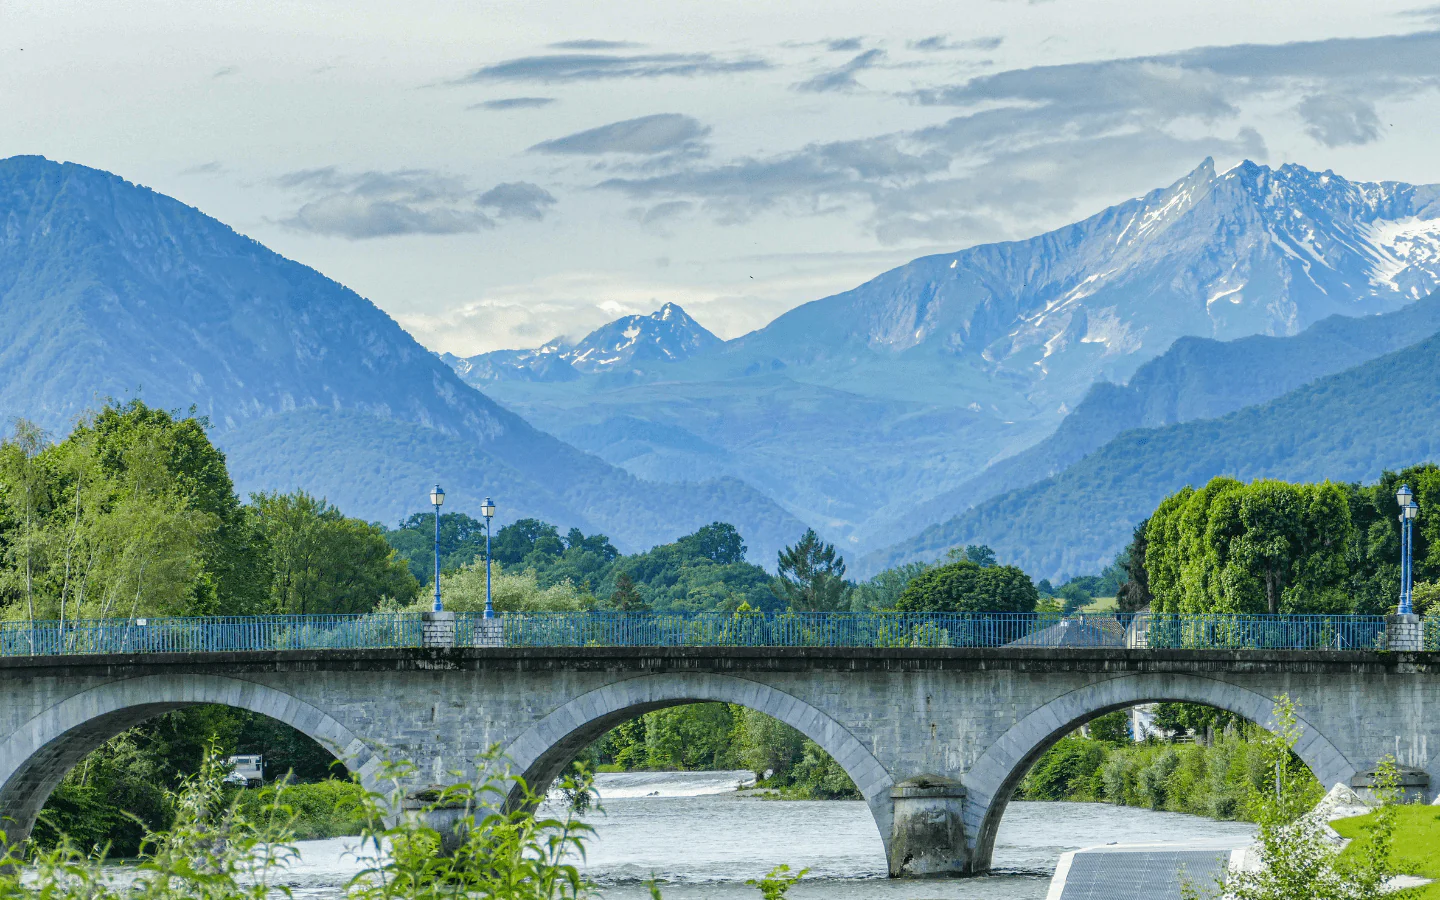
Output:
x=1141 y=871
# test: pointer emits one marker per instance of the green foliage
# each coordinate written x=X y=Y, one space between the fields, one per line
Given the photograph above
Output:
x=228 y=845
x=132 y=514
x=884 y=589
x=321 y=809
x=463 y=590
x=1065 y=771
x=1265 y=547
x=810 y=575
x=1297 y=859
x=120 y=791
x=323 y=562
x=966 y=587
x=1111 y=728
x=1132 y=594
x=1415 y=842
x=777 y=884
x=1217 y=780
x=625 y=597
x=721 y=736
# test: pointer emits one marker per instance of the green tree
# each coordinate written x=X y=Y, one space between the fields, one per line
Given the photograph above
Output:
x=1133 y=594
x=1267 y=546
x=323 y=562
x=132 y=514
x=980 y=555
x=1112 y=728
x=965 y=587
x=884 y=589
x=811 y=575
x=626 y=597
x=463 y=590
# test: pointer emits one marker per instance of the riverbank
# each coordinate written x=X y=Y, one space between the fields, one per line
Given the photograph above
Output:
x=1212 y=779
x=1416 y=848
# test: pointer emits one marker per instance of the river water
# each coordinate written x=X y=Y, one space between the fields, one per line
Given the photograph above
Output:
x=699 y=838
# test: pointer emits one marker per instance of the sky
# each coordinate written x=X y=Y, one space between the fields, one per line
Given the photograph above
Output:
x=497 y=174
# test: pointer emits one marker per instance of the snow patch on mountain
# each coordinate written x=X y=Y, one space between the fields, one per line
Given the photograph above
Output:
x=667 y=335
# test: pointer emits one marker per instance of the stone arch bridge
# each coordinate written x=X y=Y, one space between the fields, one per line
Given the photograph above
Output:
x=935 y=739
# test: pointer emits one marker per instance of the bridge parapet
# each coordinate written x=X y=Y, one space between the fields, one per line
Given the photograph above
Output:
x=792 y=629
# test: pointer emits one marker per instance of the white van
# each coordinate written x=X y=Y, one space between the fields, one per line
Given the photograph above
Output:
x=247 y=769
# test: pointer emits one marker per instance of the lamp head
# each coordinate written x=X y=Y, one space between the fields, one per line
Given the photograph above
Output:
x=488 y=508
x=437 y=496
x=1403 y=496
x=1410 y=510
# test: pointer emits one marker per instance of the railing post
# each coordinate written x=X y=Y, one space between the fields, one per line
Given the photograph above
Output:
x=1404 y=633
x=437 y=629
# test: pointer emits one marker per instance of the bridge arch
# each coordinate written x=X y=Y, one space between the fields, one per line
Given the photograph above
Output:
x=992 y=780
x=35 y=758
x=543 y=751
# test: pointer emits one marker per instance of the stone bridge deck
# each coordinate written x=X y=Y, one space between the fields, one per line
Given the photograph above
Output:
x=971 y=721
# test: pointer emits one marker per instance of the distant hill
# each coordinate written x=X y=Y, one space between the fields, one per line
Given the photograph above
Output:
x=856 y=410
x=1197 y=378
x=1382 y=414
x=108 y=289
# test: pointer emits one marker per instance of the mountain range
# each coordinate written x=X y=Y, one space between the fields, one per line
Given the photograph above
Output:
x=1349 y=426
x=1038 y=395
x=878 y=409
x=111 y=290
x=667 y=335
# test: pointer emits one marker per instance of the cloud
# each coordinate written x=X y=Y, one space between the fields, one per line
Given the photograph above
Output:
x=517 y=200
x=1026 y=147
x=363 y=205
x=844 y=44
x=563 y=67
x=843 y=78
x=593 y=44
x=224 y=71
x=513 y=103
x=213 y=167
x=938 y=42
x=1337 y=121
x=647 y=135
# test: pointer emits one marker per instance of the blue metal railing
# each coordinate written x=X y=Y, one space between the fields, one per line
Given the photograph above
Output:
x=615 y=629
x=210 y=634
x=811 y=629
x=1224 y=632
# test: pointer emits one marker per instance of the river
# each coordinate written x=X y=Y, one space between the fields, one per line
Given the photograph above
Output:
x=700 y=839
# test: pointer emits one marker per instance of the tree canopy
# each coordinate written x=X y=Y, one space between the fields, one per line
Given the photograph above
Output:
x=965 y=586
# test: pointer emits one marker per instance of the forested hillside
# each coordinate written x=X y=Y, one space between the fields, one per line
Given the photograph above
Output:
x=1197 y=378
x=1352 y=426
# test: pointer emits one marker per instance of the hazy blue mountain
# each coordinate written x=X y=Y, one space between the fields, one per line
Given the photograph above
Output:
x=667 y=335
x=108 y=289
x=856 y=410
x=1382 y=414
x=1197 y=378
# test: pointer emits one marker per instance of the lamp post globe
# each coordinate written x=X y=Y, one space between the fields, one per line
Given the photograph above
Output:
x=1409 y=511
x=437 y=497
x=488 y=511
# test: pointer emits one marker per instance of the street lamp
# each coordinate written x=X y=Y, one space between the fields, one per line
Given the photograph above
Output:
x=488 y=511
x=1408 y=512
x=437 y=497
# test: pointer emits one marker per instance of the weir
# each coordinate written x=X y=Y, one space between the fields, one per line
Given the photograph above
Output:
x=935 y=737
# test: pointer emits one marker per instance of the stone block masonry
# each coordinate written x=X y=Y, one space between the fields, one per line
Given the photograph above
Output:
x=970 y=721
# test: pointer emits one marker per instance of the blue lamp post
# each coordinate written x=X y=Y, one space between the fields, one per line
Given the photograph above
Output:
x=1408 y=512
x=437 y=497
x=488 y=511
